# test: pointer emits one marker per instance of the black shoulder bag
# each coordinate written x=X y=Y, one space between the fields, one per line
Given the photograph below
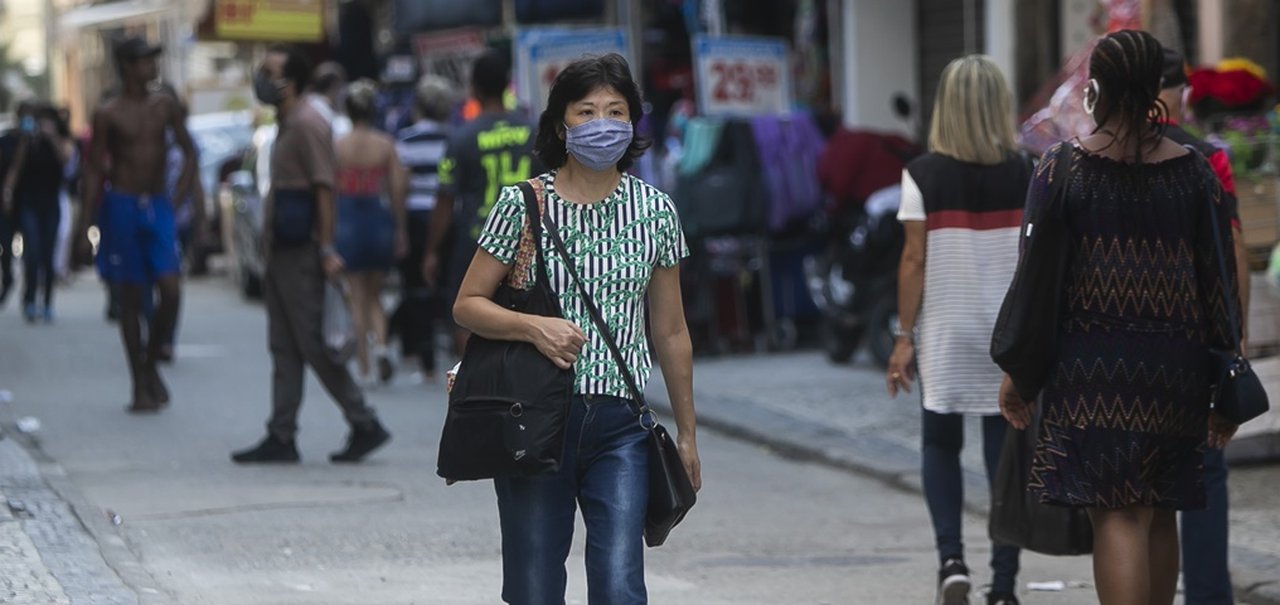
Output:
x=509 y=404
x=671 y=493
x=1238 y=395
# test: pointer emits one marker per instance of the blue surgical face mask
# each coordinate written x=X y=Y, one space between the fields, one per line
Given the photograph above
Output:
x=600 y=143
x=27 y=125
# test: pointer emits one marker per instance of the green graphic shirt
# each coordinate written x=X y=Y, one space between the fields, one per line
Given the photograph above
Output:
x=493 y=151
x=615 y=243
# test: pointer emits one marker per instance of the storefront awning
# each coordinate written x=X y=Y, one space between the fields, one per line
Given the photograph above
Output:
x=111 y=13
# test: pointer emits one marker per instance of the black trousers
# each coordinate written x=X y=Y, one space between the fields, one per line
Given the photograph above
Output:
x=8 y=224
x=415 y=318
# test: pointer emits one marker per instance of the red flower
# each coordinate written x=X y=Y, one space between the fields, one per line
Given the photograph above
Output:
x=1236 y=88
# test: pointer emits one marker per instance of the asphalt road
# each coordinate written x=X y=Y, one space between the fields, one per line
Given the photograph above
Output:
x=195 y=529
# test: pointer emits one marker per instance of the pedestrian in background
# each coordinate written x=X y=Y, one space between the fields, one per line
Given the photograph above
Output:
x=421 y=148
x=326 y=95
x=371 y=224
x=961 y=210
x=492 y=151
x=68 y=191
x=127 y=199
x=1204 y=535
x=625 y=239
x=299 y=226
x=34 y=185
x=8 y=210
x=1126 y=413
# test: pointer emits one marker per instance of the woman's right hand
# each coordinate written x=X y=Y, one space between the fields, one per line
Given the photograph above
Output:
x=560 y=340
x=901 y=371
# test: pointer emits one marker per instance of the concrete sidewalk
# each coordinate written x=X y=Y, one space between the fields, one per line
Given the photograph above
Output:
x=800 y=405
x=47 y=555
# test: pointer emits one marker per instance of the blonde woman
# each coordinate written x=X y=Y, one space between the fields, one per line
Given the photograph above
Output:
x=961 y=210
x=370 y=236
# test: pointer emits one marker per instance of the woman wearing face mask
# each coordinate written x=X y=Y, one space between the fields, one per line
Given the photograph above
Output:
x=626 y=242
x=33 y=183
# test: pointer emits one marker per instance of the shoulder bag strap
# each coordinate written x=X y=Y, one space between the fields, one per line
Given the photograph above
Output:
x=532 y=215
x=641 y=406
x=1229 y=298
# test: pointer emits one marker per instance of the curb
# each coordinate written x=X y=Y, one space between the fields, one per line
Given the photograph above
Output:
x=132 y=582
x=1255 y=575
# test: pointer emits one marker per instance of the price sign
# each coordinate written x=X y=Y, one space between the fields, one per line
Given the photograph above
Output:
x=741 y=76
x=542 y=54
x=449 y=54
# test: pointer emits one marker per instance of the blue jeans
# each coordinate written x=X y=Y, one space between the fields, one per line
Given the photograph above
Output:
x=1204 y=539
x=605 y=472
x=943 y=436
x=38 y=220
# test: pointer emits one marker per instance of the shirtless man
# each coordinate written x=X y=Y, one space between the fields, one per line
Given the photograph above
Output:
x=138 y=244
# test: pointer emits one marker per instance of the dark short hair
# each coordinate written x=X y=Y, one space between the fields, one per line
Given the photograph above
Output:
x=1175 y=69
x=577 y=81
x=326 y=76
x=297 y=68
x=490 y=75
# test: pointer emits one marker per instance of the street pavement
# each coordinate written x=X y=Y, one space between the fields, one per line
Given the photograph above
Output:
x=104 y=507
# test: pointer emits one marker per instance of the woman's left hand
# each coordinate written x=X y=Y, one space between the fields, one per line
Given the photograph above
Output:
x=1221 y=431
x=688 y=446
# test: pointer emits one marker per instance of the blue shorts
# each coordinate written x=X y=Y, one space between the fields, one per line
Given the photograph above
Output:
x=139 y=238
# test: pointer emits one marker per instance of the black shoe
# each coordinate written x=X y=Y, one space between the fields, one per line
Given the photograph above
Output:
x=1002 y=598
x=386 y=371
x=954 y=583
x=361 y=442
x=271 y=449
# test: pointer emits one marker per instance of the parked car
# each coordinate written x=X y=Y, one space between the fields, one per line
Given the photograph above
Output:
x=242 y=206
x=221 y=138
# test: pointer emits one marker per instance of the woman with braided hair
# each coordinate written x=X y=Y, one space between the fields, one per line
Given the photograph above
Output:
x=1124 y=386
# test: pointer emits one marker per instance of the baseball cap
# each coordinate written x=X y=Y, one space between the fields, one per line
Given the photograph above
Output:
x=134 y=47
x=1175 y=69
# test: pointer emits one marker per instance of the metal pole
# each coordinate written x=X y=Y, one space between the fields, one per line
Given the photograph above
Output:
x=713 y=13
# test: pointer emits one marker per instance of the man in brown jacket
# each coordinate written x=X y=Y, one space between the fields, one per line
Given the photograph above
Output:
x=299 y=227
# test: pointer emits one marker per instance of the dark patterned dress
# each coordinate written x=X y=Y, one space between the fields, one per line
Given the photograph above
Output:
x=1125 y=416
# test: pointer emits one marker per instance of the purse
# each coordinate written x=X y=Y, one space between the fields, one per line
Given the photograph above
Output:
x=1238 y=395
x=1024 y=342
x=1018 y=518
x=671 y=492
x=509 y=403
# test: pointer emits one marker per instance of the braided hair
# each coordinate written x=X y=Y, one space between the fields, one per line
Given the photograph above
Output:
x=1128 y=66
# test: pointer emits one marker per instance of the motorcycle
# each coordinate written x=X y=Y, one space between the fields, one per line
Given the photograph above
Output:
x=855 y=286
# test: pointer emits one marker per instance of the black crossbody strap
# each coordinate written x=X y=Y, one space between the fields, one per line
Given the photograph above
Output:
x=1229 y=298
x=553 y=230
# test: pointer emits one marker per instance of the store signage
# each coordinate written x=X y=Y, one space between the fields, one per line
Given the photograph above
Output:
x=541 y=53
x=741 y=76
x=449 y=53
x=269 y=20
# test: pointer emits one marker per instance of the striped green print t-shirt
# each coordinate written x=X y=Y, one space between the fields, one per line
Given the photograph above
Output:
x=616 y=244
